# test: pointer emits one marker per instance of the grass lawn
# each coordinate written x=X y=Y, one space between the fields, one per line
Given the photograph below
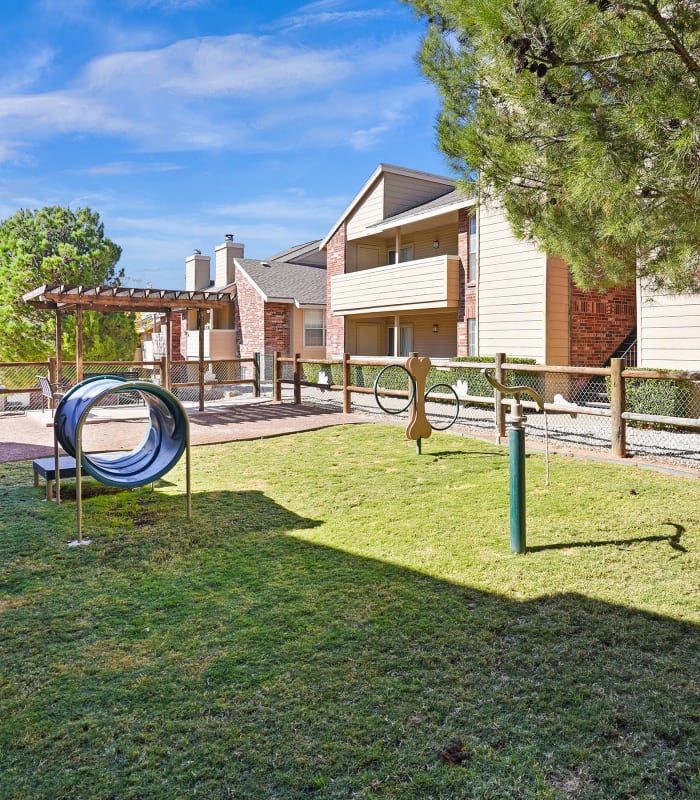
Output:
x=337 y=614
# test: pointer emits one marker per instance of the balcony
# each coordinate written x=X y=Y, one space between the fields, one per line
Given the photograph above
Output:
x=427 y=283
x=218 y=344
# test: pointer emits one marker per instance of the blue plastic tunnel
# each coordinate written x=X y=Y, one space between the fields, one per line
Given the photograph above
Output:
x=159 y=450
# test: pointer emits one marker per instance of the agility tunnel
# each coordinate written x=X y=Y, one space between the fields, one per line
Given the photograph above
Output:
x=160 y=449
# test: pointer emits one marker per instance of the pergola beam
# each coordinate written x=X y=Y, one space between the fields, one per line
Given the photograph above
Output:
x=106 y=299
x=121 y=298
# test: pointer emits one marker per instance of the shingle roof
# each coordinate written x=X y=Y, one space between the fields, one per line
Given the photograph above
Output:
x=426 y=209
x=284 y=280
x=297 y=253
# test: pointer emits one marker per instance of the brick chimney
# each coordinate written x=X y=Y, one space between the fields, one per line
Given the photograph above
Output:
x=197 y=272
x=225 y=253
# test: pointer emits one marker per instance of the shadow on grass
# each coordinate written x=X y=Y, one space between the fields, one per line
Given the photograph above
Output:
x=674 y=540
x=453 y=453
x=238 y=660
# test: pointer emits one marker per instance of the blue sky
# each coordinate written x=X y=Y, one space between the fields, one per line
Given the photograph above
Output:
x=182 y=120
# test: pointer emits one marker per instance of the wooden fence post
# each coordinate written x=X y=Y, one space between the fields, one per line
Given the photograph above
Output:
x=256 y=374
x=500 y=409
x=53 y=373
x=347 y=400
x=618 y=425
x=297 y=379
x=164 y=373
x=276 y=377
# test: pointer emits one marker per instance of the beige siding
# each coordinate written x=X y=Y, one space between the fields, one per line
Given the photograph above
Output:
x=669 y=331
x=369 y=211
x=313 y=257
x=512 y=290
x=422 y=241
x=403 y=192
x=557 y=311
x=442 y=344
x=429 y=283
x=297 y=337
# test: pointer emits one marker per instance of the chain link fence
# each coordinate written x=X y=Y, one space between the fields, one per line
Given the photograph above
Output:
x=578 y=412
x=19 y=387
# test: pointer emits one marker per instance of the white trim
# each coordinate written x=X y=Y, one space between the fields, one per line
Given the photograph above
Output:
x=384 y=168
x=250 y=280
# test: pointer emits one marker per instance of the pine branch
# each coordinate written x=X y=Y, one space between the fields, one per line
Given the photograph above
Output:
x=652 y=11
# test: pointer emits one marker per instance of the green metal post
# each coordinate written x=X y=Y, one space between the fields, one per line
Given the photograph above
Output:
x=516 y=445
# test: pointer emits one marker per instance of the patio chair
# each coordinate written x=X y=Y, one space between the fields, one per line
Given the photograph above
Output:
x=49 y=395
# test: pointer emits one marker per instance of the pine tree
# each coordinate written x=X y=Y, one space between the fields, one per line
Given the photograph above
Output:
x=583 y=118
x=56 y=245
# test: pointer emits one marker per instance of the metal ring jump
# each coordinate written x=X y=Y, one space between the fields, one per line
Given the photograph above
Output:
x=411 y=393
x=453 y=394
x=157 y=453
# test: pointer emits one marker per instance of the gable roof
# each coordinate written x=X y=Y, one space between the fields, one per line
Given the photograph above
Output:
x=286 y=282
x=381 y=169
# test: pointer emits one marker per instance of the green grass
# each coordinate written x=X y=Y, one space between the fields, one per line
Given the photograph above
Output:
x=340 y=610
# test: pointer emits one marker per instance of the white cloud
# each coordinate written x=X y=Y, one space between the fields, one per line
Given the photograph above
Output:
x=315 y=18
x=26 y=69
x=288 y=206
x=129 y=168
x=238 y=64
x=364 y=139
x=238 y=92
x=168 y=5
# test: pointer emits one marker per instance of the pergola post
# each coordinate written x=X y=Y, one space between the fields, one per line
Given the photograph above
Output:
x=168 y=348
x=59 y=347
x=200 y=330
x=79 y=344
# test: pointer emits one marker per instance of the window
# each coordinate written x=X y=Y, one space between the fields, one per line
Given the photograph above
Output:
x=471 y=336
x=471 y=263
x=405 y=340
x=405 y=254
x=314 y=328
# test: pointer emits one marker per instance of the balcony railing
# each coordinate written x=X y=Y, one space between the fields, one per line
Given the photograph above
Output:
x=423 y=284
x=218 y=344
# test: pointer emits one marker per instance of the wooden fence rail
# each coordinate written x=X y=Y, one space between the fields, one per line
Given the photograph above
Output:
x=616 y=377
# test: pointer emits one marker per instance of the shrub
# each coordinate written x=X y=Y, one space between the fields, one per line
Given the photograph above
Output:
x=657 y=396
x=664 y=398
x=477 y=383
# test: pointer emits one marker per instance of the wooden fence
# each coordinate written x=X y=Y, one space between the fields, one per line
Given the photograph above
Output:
x=548 y=379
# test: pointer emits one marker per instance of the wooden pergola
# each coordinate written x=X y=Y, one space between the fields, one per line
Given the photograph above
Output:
x=67 y=298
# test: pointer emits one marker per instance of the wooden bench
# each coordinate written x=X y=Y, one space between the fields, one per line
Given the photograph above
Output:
x=46 y=467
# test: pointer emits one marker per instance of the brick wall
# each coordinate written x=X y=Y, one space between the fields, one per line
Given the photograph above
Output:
x=600 y=322
x=466 y=307
x=335 y=265
x=250 y=314
x=176 y=334
x=277 y=328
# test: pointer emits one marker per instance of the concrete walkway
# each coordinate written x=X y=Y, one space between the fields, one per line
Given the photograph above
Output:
x=30 y=435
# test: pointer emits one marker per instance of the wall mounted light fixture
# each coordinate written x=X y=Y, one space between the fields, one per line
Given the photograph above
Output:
x=436 y=329
x=436 y=244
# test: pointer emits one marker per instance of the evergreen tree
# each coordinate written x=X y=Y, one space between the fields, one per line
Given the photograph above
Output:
x=583 y=118
x=56 y=245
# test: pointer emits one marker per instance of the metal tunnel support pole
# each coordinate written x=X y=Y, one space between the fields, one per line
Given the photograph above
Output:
x=79 y=486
